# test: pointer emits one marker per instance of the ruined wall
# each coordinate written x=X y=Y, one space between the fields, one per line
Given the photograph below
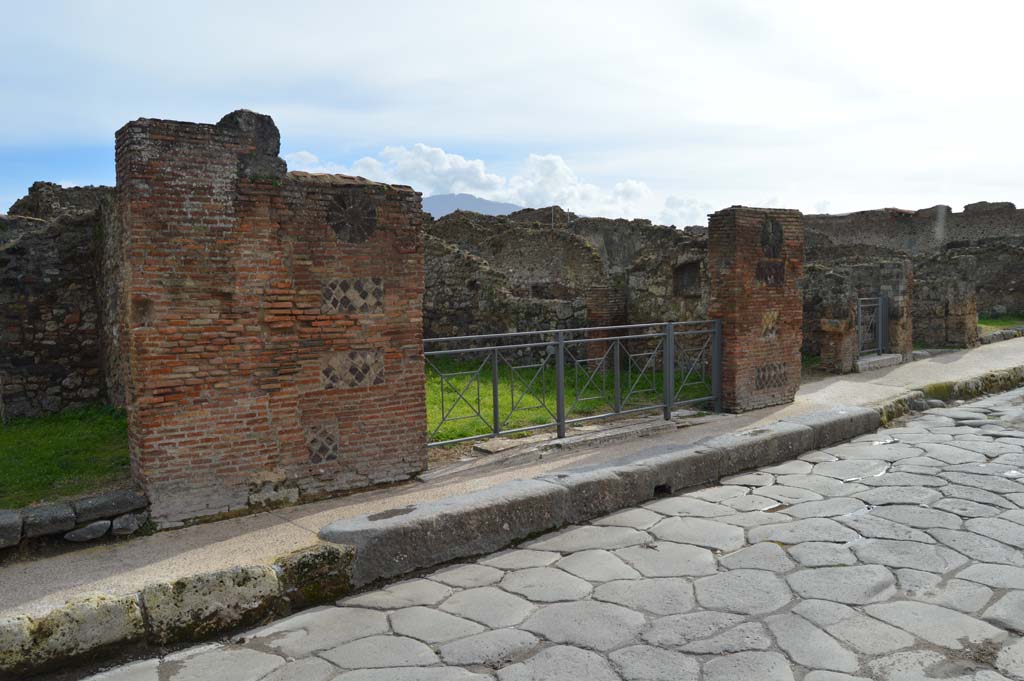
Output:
x=830 y=292
x=50 y=351
x=272 y=321
x=992 y=232
x=945 y=306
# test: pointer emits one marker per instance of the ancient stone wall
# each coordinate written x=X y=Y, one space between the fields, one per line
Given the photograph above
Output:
x=272 y=321
x=755 y=264
x=945 y=307
x=50 y=351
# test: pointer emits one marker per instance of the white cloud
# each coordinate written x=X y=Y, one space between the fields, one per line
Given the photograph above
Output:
x=683 y=212
x=541 y=180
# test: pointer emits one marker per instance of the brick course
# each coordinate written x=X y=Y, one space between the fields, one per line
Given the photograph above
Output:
x=230 y=313
x=755 y=263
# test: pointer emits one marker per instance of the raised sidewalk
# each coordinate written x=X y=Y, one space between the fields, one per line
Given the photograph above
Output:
x=35 y=586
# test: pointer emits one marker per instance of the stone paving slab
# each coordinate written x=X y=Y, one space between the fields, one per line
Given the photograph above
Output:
x=918 y=576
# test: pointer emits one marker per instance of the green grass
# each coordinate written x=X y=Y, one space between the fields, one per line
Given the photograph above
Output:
x=997 y=323
x=62 y=455
x=533 y=407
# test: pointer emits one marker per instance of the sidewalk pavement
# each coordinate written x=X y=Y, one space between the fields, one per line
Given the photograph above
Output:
x=36 y=586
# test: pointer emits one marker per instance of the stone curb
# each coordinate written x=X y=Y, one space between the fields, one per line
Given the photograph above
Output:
x=191 y=609
x=417 y=537
x=120 y=512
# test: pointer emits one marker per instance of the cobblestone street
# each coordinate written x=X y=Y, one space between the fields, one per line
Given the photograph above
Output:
x=895 y=557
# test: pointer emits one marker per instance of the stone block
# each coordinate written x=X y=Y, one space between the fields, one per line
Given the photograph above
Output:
x=838 y=424
x=108 y=505
x=763 y=446
x=128 y=524
x=197 y=607
x=81 y=627
x=48 y=519
x=687 y=467
x=10 y=528
x=395 y=542
x=592 y=493
x=93 y=530
x=316 y=575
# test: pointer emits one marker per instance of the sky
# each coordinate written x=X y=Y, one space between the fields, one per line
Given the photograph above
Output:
x=661 y=110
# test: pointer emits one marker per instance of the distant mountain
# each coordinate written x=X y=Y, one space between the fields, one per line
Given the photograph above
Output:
x=442 y=204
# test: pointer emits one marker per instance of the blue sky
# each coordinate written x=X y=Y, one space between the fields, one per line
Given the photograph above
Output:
x=664 y=110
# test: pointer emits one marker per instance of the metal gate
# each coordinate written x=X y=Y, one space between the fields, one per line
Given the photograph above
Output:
x=500 y=384
x=873 y=325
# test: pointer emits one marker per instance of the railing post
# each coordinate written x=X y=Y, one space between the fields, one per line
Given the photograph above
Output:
x=560 y=383
x=617 y=375
x=669 y=370
x=495 y=411
x=716 y=365
x=883 y=325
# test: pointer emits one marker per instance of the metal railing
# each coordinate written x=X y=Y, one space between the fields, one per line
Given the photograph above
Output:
x=872 y=325
x=499 y=384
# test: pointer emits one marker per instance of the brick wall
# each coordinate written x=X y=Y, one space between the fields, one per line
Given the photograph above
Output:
x=755 y=263
x=272 y=321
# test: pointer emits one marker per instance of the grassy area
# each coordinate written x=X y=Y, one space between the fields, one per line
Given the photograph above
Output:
x=535 y=397
x=62 y=455
x=997 y=323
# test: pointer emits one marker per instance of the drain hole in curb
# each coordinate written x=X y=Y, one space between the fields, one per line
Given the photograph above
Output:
x=662 y=491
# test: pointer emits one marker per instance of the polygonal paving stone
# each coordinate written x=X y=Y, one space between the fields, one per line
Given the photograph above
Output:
x=958 y=594
x=307 y=669
x=978 y=547
x=589 y=624
x=816 y=457
x=904 y=480
x=589 y=537
x=917 y=516
x=319 y=629
x=718 y=493
x=645 y=663
x=862 y=633
x=754 y=519
x=688 y=506
x=746 y=636
x=851 y=469
x=966 y=508
x=467 y=576
x=979 y=495
x=743 y=666
x=1011 y=660
x=145 y=670
x=431 y=626
x=678 y=630
x=228 y=664
x=750 y=479
x=661 y=596
x=700 y=532
x=748 y=592
x=876 y=527
x=856 y=585
x=827 y=508
x=913 y=665
x=637 y=518
x=794 y=467
x=908 y=554
x=751 y=502
x=381 y=651
x=991 y=449
x=999 y=529
x=411 y=674
x=822 y=554
x=935 y=624
x=596 y=566
x=875 y=452
x=989 y=483
x=546 y=585
x=917 y=470
x=561 y=663
x=832 y=676
x=667 y=559
x=1016 y=516
x=788 y=495
x=952 y=455
x=995 y=576
x=919 y=464
x=799 y=531
x=810 y=646
x=1007 y=612
x=763 y=556
x=988 y=469
x=519 y=559
x=883 y=496
x=489 y=606
x=491 y=648
x=402 y=595
x=819 y=484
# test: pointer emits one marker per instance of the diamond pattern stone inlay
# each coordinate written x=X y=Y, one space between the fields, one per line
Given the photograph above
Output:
x=353 y=295
x=352 y=369
x=322 y=442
